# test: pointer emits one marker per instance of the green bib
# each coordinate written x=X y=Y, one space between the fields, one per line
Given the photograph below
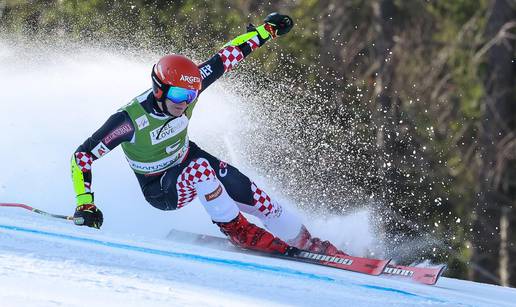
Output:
x=155 y=147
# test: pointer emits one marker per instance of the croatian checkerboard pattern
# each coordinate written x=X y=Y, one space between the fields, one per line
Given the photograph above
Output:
x=230 y=56
x=87 y=187
x=198 y=170
x=261 y=200
x=84 y=161
x=254 y=43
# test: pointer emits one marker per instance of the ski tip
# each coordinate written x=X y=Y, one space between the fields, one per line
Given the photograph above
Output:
x=444 y=267
x=440 y=272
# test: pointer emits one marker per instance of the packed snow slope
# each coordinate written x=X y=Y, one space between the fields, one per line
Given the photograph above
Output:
x=50 y=102
x=49 y=262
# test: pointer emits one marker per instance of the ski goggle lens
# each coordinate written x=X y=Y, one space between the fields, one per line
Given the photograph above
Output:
x=179 y=94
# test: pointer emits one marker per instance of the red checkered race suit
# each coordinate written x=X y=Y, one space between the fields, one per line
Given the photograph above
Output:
x=222 y=189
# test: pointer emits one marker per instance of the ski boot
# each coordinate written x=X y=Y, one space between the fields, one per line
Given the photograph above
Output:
x=249 y=236
x=305 y=241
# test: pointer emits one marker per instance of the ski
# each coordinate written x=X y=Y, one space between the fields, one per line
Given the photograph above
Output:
x=349 y=263
x=424 y=275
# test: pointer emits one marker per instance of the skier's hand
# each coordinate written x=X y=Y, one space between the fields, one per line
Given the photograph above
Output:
x=280 y=23
x=88 y=215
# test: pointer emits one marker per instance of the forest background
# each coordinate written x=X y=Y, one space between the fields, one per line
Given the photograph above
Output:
x=405 y=107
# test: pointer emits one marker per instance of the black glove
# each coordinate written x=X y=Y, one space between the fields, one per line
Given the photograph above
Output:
x=281 y=23
x=88 y=215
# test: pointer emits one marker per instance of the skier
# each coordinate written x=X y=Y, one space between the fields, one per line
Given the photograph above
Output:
x=172 y=170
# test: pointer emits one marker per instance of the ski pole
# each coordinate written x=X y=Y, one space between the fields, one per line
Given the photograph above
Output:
x=66 y=217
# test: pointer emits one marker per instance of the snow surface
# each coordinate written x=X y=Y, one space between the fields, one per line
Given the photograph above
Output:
x=53 y=100
x=49 y=262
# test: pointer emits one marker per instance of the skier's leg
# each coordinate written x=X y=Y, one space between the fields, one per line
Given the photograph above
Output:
x=198 y=178
x=155 y=193
x=278 y=219
x=179 y=185
x=251 y=199
x=281 y=221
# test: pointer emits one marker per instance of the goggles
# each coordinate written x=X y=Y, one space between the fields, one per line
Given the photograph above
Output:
x=178 y=95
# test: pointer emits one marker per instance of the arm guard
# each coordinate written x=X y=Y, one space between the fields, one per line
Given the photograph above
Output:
x=240 y=47
x=81 y=166
x=233 y=52
x=262 y=34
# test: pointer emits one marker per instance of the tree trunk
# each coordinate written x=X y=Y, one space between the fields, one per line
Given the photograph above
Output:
x=387 y=105
x=495 y=188
x=383 y=12
x=504 y=248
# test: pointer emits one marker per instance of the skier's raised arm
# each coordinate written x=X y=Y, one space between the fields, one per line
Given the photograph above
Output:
x=240 y=47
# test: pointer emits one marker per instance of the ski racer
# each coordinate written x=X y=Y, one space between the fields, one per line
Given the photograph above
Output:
x=172 y=170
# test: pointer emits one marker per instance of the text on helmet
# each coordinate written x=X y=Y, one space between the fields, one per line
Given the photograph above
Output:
x=190 y=79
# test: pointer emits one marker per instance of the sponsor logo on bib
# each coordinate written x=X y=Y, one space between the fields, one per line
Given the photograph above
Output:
x=142 y=122
x=172 y=129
